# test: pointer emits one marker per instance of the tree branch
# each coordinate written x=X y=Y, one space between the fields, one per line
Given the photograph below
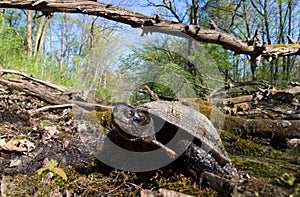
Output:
x=155 y=24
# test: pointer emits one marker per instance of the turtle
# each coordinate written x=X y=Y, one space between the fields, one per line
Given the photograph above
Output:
x=199 y=144
x=198 y=139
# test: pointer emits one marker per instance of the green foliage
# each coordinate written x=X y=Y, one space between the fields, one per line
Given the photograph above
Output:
x=51 y=168
x=44 y=123
x=220 y=11
x=11 y=48
x=169 y=69
x=49 y=66
x=13 y=55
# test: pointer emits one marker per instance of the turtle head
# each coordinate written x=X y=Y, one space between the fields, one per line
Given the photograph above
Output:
x=132 y=122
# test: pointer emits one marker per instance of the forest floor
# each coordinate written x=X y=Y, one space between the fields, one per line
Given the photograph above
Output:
x=31 y=141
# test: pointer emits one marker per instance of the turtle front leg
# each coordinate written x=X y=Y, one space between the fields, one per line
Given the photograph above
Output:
x=203 y=162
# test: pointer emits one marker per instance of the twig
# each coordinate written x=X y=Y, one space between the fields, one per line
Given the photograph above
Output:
x=91 y=106
x=53 y=107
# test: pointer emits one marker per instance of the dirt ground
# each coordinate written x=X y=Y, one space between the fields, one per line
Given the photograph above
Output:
x=34 y=140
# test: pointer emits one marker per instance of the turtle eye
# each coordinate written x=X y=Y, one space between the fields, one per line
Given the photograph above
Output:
x=142 y=118
x=129 y=113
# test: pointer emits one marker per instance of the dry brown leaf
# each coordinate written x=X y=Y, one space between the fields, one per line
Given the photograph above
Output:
x=18 y=145
x=15 y=162
x=50 y=131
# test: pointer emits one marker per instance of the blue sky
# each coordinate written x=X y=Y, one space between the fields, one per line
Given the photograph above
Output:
x=135 y=5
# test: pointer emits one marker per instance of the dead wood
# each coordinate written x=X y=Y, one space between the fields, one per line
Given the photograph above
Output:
x=91 y=106
x=50 y=107
x=148 y=91
x=31 y=78
x=34 y=90
x=261 y=129
x=163 y=193
x=157 y=24
x=284 y=96
x=46 y=91
x=269 y=96
x=270 y=114
x=264 y=128
x=232 y=84
x=287 y=115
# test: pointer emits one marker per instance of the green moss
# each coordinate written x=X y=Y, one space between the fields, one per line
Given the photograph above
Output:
x=63 y=134
x=103 y=117
x=286 y=179
x=278 y=168
x=283 y=45
x=116 y=182
x=175 y=181
x=274 y=170
x=238 y=146
x=206 y=107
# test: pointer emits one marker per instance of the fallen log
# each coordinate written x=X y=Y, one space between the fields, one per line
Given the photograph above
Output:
x=46 y=91
x=251 y=128
x=269 y=97
x=34 y=90
x=230 y=85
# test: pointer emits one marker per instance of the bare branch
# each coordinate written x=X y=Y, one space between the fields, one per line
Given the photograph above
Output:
x=151 y=24
x=168 y=5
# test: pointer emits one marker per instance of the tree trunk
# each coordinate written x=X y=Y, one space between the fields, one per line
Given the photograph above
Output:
x=290 y=18
x=29 y=34
x=41 y=34
x=2 y=19
x=193 y=21
x=62 y=52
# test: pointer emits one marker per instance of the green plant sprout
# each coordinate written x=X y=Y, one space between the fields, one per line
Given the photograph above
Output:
x=51 y=168
x=44 y=123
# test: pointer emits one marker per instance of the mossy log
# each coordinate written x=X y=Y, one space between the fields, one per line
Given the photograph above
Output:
x=260 y=128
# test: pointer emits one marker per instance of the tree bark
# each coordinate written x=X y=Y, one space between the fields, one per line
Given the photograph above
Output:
x=62 y=51
x=41 y=34
x=29 y=33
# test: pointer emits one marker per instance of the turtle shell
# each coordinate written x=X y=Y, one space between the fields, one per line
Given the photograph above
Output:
x=191 y=121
